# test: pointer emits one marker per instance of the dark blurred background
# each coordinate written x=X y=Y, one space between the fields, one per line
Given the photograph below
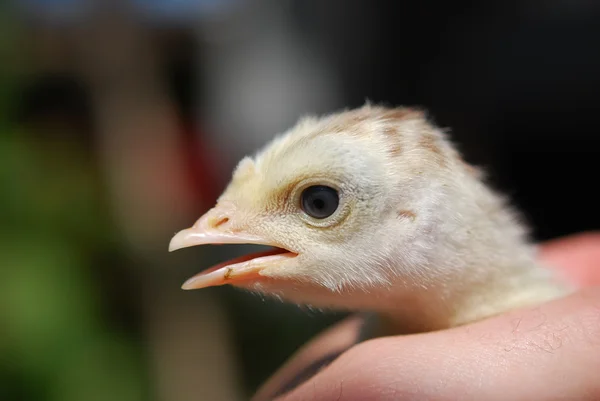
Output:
x=120 y=122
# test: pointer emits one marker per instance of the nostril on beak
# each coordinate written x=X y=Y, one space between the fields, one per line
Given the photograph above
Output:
x=217 y=218
x=217 y=221
x=220 y=221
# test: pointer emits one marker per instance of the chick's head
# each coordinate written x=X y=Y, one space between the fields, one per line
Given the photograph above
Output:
x=344 y=199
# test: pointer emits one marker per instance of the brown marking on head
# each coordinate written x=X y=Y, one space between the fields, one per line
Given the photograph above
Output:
x=393 y=138
x=407 y=214
x=359 y=116
x=392 y=117
x=351 y=120
x=391 y=132
x=354 y=123
x=228 y=272
x=402 y=113
x=395 y=150
x=430 y=143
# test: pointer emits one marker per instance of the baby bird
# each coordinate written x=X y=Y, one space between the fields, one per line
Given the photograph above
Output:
x=373 y=209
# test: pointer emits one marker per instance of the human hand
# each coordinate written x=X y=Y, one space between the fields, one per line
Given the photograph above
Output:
x=547 y=352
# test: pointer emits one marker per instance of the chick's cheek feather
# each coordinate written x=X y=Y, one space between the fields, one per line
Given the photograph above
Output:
x=373 y=209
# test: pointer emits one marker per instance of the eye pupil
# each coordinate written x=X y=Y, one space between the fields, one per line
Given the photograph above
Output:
x=319 y=201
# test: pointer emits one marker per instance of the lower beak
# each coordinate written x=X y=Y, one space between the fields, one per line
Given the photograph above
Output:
x=237 y=271
x=242 y=269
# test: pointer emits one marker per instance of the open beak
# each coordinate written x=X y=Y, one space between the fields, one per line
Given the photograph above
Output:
x=211 y=229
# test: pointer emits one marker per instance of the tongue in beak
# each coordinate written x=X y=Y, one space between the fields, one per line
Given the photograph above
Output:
x=209 y=230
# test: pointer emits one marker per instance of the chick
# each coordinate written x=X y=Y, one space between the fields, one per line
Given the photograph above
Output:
x=373 y=209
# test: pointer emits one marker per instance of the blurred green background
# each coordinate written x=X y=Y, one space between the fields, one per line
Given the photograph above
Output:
x=120 y=122
x=96 y=177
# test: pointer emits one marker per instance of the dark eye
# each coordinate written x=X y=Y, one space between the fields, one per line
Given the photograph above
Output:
x=319 y=201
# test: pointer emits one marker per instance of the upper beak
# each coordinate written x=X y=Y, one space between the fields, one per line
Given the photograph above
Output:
x=212 y=229
x=209 y=230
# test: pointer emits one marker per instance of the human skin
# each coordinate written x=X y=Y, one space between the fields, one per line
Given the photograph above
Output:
x=548 y=352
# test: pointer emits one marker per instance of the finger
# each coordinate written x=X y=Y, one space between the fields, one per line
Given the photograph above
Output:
x=334 y=340
x=578 y=256
x=546 y=353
